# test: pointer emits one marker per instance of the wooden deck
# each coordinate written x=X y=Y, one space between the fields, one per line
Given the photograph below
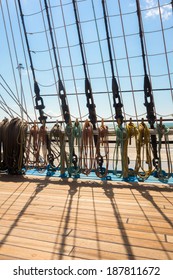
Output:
x=51 y=218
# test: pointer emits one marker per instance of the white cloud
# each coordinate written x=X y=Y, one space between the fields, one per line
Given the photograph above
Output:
x=152 y=5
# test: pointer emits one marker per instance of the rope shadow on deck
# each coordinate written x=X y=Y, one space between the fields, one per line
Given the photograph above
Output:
x=110 y=195
x=37 y=190
x=67 y=206
x=146 y=195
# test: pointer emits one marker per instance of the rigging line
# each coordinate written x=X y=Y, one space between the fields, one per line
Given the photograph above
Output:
x=59 y=57
x=10 y=109
x=88 y=90
x=50 y=85
x=114 y=59
x=128 y=62
x=72 y=68
x=165 y=48
x=99 y=62
x=12 y=95
x=151 y=97
x=118 y=36
x=4 y=103
x=40 y=51
x=102 y=61
x=33 y=14
x=51 y=60
x=61 y=90
x=10 y=53
x=16 y=101
x=26 y=63
x=44 y=70
x=6 y=110
x=39 y=100
x=148 y=96
x=15 y=49
x=117 y=104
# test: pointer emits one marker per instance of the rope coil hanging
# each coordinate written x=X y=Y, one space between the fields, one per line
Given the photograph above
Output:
x=163 y=134
x=143 y=152
x=74 y=134
x=102 y=144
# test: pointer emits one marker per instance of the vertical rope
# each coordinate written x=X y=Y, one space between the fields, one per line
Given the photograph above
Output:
x=71 y=61
x=51 y=60
x=17 y=61
x=11 y=58
x=26 y=62
x=62 y=92
x=114 y=60
x=104 y=70
x=165 y=48
x=126 y=49
x=88 y=90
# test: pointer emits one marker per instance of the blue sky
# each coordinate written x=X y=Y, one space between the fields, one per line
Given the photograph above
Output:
x=129 y=72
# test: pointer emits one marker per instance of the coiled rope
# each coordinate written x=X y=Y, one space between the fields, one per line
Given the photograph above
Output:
x=102 y=143
x=143 y=151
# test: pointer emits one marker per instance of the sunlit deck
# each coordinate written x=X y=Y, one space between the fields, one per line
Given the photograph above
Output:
x=51 y=218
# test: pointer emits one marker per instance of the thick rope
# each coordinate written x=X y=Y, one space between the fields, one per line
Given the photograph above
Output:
x=143 y=145
x=87 y=148
x=74 y=134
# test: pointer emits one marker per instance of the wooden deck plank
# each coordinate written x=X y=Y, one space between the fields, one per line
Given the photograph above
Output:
x=51 y=218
